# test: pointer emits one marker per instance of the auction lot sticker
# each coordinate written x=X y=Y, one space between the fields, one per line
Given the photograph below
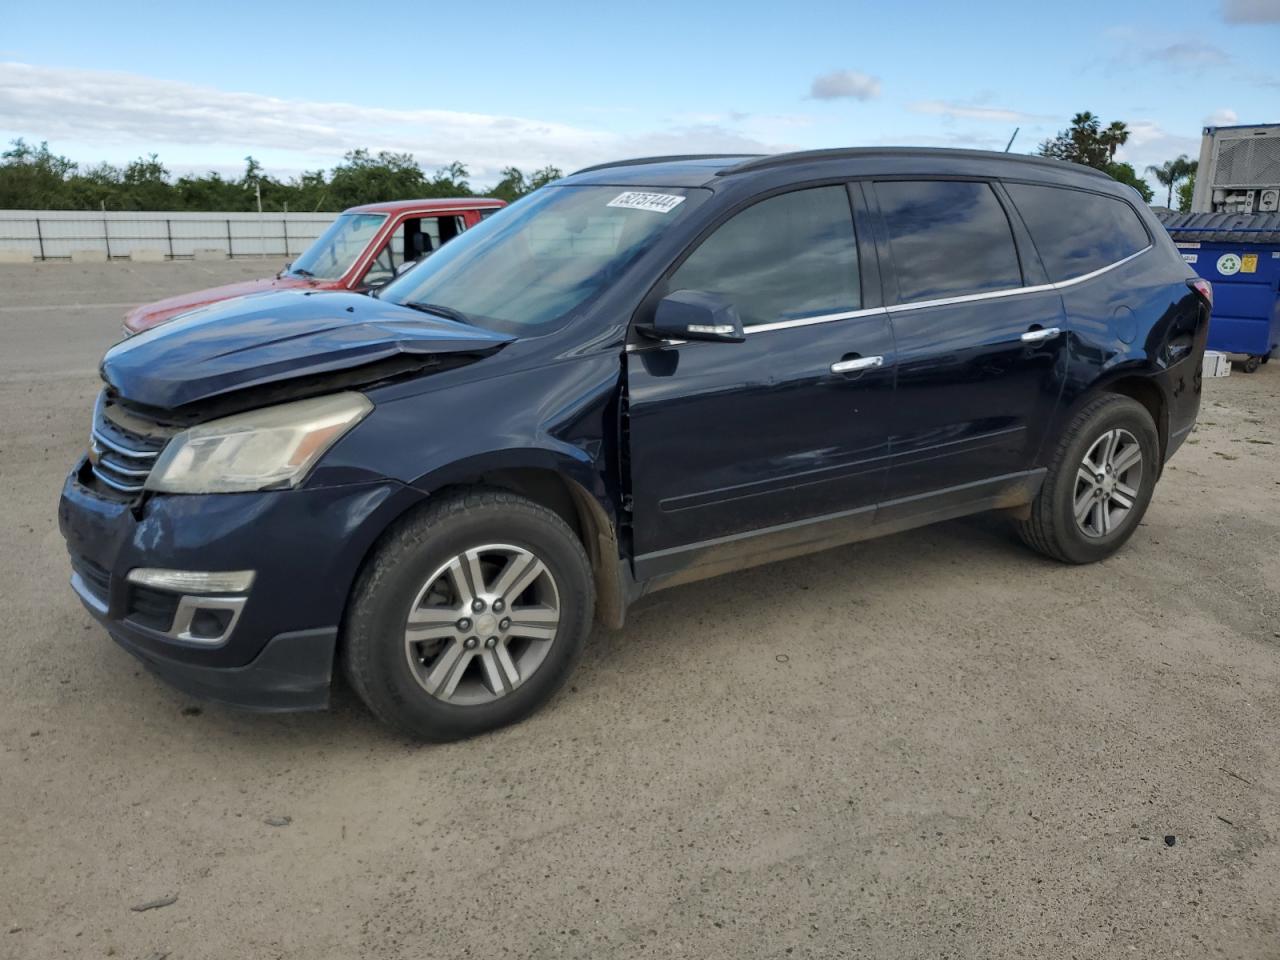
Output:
x=1228 y=264
x=653 y=202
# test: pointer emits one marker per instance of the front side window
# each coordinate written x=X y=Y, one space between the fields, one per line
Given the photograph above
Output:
x=548 y=254
x=415 y=238
x=784 y=258
x=332 y=253
x=1076 y=232
x=948 y=238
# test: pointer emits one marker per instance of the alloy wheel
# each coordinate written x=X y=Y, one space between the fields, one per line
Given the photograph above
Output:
x=482 y=624
x=1107 y=483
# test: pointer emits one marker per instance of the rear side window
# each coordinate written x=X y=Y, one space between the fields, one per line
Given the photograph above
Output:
x=784 y=258
x=1077 y=232
x=948 y=238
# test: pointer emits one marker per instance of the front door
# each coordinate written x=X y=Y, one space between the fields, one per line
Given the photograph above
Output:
x=980 y=337
x=729 y=442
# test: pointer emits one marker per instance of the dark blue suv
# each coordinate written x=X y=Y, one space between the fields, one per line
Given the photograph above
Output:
x=644 y=374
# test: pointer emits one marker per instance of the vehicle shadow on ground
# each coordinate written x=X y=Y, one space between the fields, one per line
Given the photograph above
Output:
x=984 y=542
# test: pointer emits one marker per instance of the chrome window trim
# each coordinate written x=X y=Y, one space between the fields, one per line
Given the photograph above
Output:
x=1015 y=291
x=919 y=304
x=810 y=321
x=1101 y=270
x=968 y=298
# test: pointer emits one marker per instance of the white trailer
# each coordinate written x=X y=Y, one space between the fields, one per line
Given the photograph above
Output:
x=1239 y=170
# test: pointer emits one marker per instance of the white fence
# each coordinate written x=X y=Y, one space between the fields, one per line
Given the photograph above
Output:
x=120 y=235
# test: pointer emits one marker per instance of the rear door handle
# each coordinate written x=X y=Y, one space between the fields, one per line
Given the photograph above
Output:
x=1038 y=336
x=856 y=364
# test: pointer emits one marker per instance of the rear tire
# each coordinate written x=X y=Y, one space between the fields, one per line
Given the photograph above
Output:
x=1095 y=492
x=468 y=616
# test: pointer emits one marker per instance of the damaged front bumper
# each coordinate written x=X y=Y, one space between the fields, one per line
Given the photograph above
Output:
x=264 y=641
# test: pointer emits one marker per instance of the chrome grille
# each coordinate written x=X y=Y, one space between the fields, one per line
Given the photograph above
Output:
x=123 y=449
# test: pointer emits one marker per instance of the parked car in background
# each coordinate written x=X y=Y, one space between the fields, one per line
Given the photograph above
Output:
x=644 y=374
x=361 y=250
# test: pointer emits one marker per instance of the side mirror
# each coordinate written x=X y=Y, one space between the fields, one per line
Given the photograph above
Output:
x=694 y=315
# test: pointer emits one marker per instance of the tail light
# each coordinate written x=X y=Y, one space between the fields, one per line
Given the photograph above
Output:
x=1205 y=289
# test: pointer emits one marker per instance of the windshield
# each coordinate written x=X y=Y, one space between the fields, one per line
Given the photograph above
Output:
x=542 y=257
x=335 y=250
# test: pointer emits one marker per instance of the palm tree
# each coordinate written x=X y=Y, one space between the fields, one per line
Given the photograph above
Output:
x=1171 y=172
x=1114 y=137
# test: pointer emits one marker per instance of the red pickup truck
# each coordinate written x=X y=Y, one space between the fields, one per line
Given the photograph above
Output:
x=362 y=249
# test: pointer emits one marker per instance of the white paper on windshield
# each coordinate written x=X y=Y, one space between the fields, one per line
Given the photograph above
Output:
x=653 y=202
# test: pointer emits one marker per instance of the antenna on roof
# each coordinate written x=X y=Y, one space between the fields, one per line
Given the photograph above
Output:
x=1011 y=139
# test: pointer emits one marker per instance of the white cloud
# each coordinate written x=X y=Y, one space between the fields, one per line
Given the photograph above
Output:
x=1150 y=145
x=1251 y=11
x=1222 y=118
x=145 y=114
x=845 y=84
x=1190 y=53
x=970 y=111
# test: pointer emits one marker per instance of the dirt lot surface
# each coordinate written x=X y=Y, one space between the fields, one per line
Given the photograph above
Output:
x=932 y=745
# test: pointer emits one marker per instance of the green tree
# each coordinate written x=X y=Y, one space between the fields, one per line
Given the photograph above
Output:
x=210 y=191
x=1125 y=173
x=514 y=184
x=33 y=178
x=1115 y=136
x=1170 y=173
x=450 y=181
x=365 y=178
x=1086 y=141
x=1186 y=190
x=145 y=182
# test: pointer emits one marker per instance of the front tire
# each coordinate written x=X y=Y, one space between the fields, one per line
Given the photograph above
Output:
x=1099 y=483
x=468 y=616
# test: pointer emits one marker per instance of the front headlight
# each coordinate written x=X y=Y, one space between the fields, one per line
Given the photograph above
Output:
x=272 y=447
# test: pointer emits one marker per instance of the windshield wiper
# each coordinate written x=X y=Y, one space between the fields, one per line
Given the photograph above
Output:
x=301 y=272
x=447 y=312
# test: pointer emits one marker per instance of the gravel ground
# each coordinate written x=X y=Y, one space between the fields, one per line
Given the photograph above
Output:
x=932 y=745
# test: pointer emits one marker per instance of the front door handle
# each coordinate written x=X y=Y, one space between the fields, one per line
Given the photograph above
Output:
x=1039 y=336
x=856 y=364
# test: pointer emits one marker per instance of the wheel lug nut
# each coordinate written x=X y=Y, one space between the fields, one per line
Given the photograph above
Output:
x=470 y=643
x=505 y=623
x=491 y=642
x=477 y=605
x=464 y=624
x=498 y=605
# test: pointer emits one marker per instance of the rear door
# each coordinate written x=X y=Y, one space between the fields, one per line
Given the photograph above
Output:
x=729 y=439
x=980 y=340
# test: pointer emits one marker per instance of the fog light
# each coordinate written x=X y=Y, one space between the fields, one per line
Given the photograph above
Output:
x=193 y=581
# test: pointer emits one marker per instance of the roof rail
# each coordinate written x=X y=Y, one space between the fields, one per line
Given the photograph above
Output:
x=851 y=153
x=672 y=158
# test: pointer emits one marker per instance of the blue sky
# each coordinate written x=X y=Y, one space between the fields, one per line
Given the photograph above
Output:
x=501 y=83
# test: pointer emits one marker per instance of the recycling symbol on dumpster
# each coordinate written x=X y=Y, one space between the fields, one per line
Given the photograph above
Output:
x=1228 y=264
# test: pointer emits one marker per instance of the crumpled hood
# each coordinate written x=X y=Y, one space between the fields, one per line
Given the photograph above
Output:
x=273 y=337
x=150 y=314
